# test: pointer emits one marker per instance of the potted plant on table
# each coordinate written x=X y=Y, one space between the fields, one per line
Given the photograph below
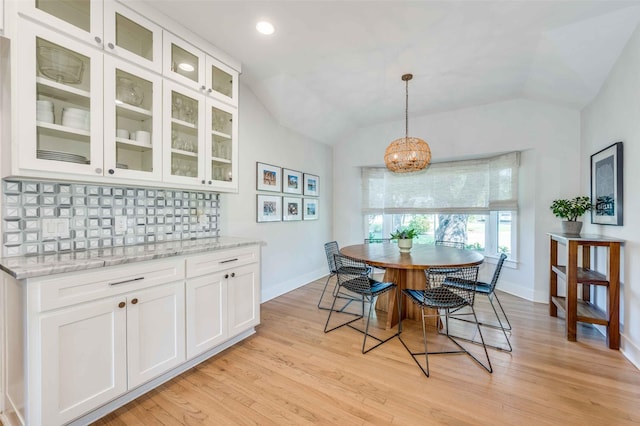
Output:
x=571 y=210
x=405 y=238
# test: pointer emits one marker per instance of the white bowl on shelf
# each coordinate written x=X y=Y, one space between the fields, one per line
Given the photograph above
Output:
x=44 y=116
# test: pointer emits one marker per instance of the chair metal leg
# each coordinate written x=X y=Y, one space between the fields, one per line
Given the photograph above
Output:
x=502 y=309
x=324 y=290
x=499 y=326
x=336 y=294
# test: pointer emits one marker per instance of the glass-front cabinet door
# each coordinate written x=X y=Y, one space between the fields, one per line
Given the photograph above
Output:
x=81 y=18
x=131 y=36
x=222 y=162
x=60 y=103
x=105 y=24
x=183 y=124
x=183 y=62
x=222 y=81
x=132 y=121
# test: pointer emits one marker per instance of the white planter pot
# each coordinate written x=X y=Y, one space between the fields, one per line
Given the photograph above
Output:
x=405 y=245
x=571 y=228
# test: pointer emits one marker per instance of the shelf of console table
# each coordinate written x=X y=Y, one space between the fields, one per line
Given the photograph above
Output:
x=578 y=308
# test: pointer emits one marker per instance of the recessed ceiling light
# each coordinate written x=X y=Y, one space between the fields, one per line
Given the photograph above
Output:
x=265 y=28
x=186 y=67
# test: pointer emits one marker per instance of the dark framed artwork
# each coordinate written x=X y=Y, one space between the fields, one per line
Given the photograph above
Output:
x=268 y=177
x=291 y=181
x=311 y=185
x=606 y=186
x=269 y=208
x=291 y=208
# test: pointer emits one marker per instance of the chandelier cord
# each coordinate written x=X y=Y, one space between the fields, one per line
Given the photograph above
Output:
x=406 y=110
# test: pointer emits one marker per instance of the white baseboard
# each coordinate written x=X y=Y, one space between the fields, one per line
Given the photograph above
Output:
x=274 y=291
x=630 y=350
x=522 y=292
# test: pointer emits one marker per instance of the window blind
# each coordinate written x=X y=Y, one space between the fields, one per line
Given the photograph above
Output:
x=470 y=186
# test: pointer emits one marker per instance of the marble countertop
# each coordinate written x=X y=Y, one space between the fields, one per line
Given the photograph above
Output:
x=22 y=267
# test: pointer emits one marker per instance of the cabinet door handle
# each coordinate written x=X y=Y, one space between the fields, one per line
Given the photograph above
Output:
x=111 y=46
x=121 y=305
x=227 y=261
x=99 y=170
x=226 y=276
x=127 y=281
x=98 y=39
x=210 y=182
x=210 y=90
x=202 y=87
x=233 y=274
x=203 y=181
x=111 y=171
x=134 y=301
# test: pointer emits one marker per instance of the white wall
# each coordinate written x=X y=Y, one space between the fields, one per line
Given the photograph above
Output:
x=294 y=253
x=613 y=116
x=550 y=168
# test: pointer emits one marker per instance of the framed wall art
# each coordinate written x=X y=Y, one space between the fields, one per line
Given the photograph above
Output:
x=310 y=209
x=291 y=182
x=311 y=185
x=269 y=208
x=291 y=208
x=606 y=186
x=268 y=177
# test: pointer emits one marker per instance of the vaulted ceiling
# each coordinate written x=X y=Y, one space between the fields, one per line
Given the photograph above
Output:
x=335 y=66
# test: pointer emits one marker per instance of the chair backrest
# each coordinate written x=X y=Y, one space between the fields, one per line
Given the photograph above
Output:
x=350 y=274
x=463 y=283
x=454 y=244
x=496 y=273
x=376 y=240
x=330 y=249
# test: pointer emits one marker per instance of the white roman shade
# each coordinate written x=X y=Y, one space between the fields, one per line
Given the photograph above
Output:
x=471 y=186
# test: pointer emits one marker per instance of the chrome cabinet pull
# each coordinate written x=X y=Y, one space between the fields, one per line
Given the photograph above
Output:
x=127 y=281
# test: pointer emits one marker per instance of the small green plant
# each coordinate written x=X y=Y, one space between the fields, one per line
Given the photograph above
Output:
x=404 y=234
x=571 y=209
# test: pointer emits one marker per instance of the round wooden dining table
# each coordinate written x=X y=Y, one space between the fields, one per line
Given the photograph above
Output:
x=406 y=270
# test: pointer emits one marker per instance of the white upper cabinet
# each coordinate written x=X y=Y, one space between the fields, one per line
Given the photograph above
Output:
x=190 y=66
x=59 y=127
x=130 y=36
x=132 y=121
x=102 y=92
x=106 y=24
x=221 y=81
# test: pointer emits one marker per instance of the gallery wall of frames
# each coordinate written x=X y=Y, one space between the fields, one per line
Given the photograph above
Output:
x=297 y=194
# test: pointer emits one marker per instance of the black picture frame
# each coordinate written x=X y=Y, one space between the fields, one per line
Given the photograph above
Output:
x=607 y=185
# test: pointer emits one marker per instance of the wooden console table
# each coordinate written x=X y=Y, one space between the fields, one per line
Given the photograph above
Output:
x=581 y=309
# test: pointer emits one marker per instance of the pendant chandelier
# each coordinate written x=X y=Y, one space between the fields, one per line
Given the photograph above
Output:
x=407 y=154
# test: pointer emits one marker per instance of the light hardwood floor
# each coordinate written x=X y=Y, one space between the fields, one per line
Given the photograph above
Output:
x=290 y=372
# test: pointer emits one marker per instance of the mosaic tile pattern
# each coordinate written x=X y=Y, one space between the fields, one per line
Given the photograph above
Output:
x=91 y=212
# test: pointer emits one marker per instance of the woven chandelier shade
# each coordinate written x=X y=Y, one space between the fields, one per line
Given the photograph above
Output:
x=407 y=154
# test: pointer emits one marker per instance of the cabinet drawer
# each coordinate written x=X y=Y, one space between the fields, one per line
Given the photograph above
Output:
x=221 y=260
x=69 y=289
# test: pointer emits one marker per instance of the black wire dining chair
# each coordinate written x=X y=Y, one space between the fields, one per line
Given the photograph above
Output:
x=352 y=282
x=438 y=296
x=331 y=248
x=488 y=289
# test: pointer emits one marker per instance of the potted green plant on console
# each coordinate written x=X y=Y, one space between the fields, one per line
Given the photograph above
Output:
x=405 y=238
x=571 y=210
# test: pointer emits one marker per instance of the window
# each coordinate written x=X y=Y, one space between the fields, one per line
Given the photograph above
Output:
x=472 y=201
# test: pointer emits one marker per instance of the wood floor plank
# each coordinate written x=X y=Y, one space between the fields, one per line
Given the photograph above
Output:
x=291 y=372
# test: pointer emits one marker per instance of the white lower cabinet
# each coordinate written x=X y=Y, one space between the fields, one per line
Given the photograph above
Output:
x=206 y=312
x=155 y=332
x=90 y=338
x=83 y=357
x=95 y=352
x=221 y=305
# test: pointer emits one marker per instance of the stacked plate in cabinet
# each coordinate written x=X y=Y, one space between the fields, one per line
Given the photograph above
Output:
x=61 y=156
